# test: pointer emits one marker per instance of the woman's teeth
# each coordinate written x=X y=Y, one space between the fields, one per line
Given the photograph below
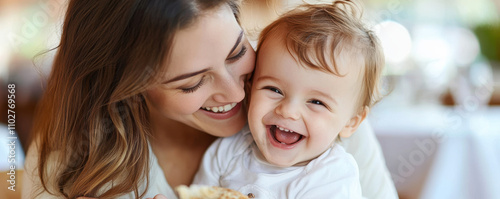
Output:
x=219 y=109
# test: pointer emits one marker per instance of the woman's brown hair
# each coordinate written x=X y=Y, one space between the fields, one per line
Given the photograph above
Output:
x=91 y=127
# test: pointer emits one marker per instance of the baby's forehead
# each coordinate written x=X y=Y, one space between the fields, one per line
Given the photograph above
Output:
x=344 y=59
x=338 y=62
x=327 y=52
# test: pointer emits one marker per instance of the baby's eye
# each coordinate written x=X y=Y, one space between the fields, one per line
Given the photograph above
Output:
x=317 y=102
x=273 y=89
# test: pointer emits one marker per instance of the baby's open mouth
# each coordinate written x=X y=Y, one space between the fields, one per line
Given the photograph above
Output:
x=285 y=136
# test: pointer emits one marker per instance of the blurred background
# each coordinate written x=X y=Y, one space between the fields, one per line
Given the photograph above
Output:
x=438 y=126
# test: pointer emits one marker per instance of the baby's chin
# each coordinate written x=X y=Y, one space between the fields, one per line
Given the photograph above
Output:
x=285 y=163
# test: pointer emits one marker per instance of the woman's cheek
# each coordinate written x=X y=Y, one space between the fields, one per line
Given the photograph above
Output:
x=176 y=103
x=249 y=60
x=189 y=103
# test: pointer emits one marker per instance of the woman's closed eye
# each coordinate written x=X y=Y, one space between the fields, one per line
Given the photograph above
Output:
x=239 y=55
x=195 y=87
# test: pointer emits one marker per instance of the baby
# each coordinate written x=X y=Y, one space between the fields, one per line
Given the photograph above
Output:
x=316 y=77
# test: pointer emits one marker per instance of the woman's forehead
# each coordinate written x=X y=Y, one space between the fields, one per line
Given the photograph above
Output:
x=206 y=42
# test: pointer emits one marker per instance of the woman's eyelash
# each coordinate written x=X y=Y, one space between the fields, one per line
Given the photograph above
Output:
x=234 y=58
x=194 y=88
x=239 y=55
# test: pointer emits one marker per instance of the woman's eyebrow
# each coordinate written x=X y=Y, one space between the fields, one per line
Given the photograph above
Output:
x=238 y=41
x=187 y=75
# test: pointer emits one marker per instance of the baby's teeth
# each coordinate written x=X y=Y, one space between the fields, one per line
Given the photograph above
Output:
x=208 y=108
x=221 y=108
x=215 y=109
x=283 y=129
x=233 y=104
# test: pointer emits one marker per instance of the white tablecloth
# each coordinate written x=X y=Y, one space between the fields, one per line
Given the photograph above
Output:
x=437 y=152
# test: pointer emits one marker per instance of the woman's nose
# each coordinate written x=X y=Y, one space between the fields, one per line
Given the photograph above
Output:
x=288 y=110
x=230 y=89
x=233 y=79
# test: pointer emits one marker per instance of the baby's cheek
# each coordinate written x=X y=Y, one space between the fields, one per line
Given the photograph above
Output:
x=324 y=126
x=255 y=101
x=260 y=106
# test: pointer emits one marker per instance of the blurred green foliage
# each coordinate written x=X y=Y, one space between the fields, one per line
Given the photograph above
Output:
x=489 y=40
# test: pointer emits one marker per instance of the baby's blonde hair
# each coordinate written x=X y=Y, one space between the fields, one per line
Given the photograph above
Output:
x=311 y=32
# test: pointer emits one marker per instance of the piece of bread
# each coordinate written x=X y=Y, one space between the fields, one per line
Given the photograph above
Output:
x=207 y=192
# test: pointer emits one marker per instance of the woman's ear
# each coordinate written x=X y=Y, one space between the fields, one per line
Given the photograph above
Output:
x=353 y=124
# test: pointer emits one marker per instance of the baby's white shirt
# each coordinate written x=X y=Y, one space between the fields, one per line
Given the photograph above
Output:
x=236 y=163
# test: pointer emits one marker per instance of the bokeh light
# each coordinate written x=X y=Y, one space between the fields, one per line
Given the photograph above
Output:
x=395 y=39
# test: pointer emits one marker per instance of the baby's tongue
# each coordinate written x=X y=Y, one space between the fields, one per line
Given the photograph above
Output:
x=287 y=137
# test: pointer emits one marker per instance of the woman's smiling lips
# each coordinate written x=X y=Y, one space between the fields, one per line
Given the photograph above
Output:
x=273 y=139
x=222 y=112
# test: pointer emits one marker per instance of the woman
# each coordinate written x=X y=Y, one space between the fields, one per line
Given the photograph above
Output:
x=138 y=91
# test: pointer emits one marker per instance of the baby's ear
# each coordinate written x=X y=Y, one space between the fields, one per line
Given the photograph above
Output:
x=353 y=124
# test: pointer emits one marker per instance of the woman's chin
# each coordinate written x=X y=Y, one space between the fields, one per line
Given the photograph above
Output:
x=227 y=130
x=231 y=131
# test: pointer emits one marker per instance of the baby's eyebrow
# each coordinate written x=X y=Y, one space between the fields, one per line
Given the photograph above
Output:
x=238 y=41
x=266 y=77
